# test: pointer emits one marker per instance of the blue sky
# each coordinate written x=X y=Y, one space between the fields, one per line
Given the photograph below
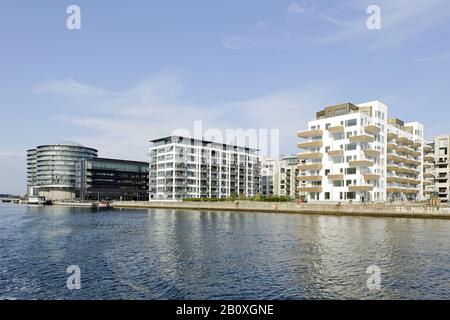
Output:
x=138 y=70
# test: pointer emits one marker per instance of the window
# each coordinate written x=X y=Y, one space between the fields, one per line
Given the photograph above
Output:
x=327 y=196
x=351 y=146
x=350 y=171
x=327 y=172
x=350 y=123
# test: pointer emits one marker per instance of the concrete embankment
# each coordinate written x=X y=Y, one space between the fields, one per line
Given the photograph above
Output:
x=75 y=204
x=370 y=210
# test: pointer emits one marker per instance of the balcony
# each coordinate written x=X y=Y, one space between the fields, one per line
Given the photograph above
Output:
x=411 y=162
x=405 y=141
x=310 y=144
x=360 y=163
x=371 y=176
x=310 y=166
x=360 y=188
x=415 y=154
x=391 y=136
x=310 y=155
x=310 y=189
x=395 y=158
x=309 y=178
x=403 y=150
x=372 y=129
x=396 y=179
x=391 y=146
x=309 y=133
x=336 y=129
x=361 y=138
x=427 y=149
x=336 y=153
x=428 y=175
x=372 y=153
x=334 y=177
x=428 y=158
x=401 y=190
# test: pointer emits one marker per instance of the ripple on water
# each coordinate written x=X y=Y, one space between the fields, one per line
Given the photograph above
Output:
x=167 y=254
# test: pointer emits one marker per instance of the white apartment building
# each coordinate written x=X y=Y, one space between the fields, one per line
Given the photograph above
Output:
x=182 y=167
x=279 y=176
x=355 y=152
x=439 y=174
x=429 y=172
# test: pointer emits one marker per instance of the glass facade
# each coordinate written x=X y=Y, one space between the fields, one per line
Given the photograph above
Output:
x=54 y=166
x=112 y=179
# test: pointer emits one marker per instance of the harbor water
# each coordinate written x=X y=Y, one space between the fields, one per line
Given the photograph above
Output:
x=181 y=254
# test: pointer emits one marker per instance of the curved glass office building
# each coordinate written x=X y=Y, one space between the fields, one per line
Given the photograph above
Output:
x=52 y=169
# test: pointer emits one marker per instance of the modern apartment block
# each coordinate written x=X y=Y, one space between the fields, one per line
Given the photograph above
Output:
x=279 y=176
x=441 y=172
x=182 y=167
x=429 y=171
x=355 y=152
x=111 y=179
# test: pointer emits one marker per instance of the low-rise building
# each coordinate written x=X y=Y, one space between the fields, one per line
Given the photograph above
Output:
x=112 y=179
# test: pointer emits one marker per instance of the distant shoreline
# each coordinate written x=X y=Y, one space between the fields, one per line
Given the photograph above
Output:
x=367 y=210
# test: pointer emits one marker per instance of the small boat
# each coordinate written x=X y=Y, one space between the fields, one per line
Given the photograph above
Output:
x=6 y=200
x=36 y=200
x=102 y=204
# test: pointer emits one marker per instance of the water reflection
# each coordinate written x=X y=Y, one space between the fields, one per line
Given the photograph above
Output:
x=170 y=254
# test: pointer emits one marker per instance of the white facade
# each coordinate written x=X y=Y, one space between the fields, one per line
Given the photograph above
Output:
x=438 y=174
x=279 y=176
x=190 y=168
x=354 y=152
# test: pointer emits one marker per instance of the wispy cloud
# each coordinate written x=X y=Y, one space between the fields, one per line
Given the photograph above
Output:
x=68 y=87
x=128 y=119
x=434 y=57
x=296 y=9
x=329 y=23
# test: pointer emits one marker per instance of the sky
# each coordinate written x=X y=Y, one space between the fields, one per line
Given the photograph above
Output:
x=140 y=70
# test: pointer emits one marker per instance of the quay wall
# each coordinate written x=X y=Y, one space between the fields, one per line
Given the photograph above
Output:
x=370 y=210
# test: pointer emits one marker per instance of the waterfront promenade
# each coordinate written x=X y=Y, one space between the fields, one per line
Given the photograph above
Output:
x=409 y=210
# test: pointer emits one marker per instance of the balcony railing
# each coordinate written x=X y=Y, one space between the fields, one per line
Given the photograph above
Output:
x=360 y=163
x=310 y=144
x=372 y=129
x=310 y=166
x=309 y=133
x=360 y=188
x=336 y=153
x=361 y=138
x=310 y=189
x=310 y=155
x=335 y=177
